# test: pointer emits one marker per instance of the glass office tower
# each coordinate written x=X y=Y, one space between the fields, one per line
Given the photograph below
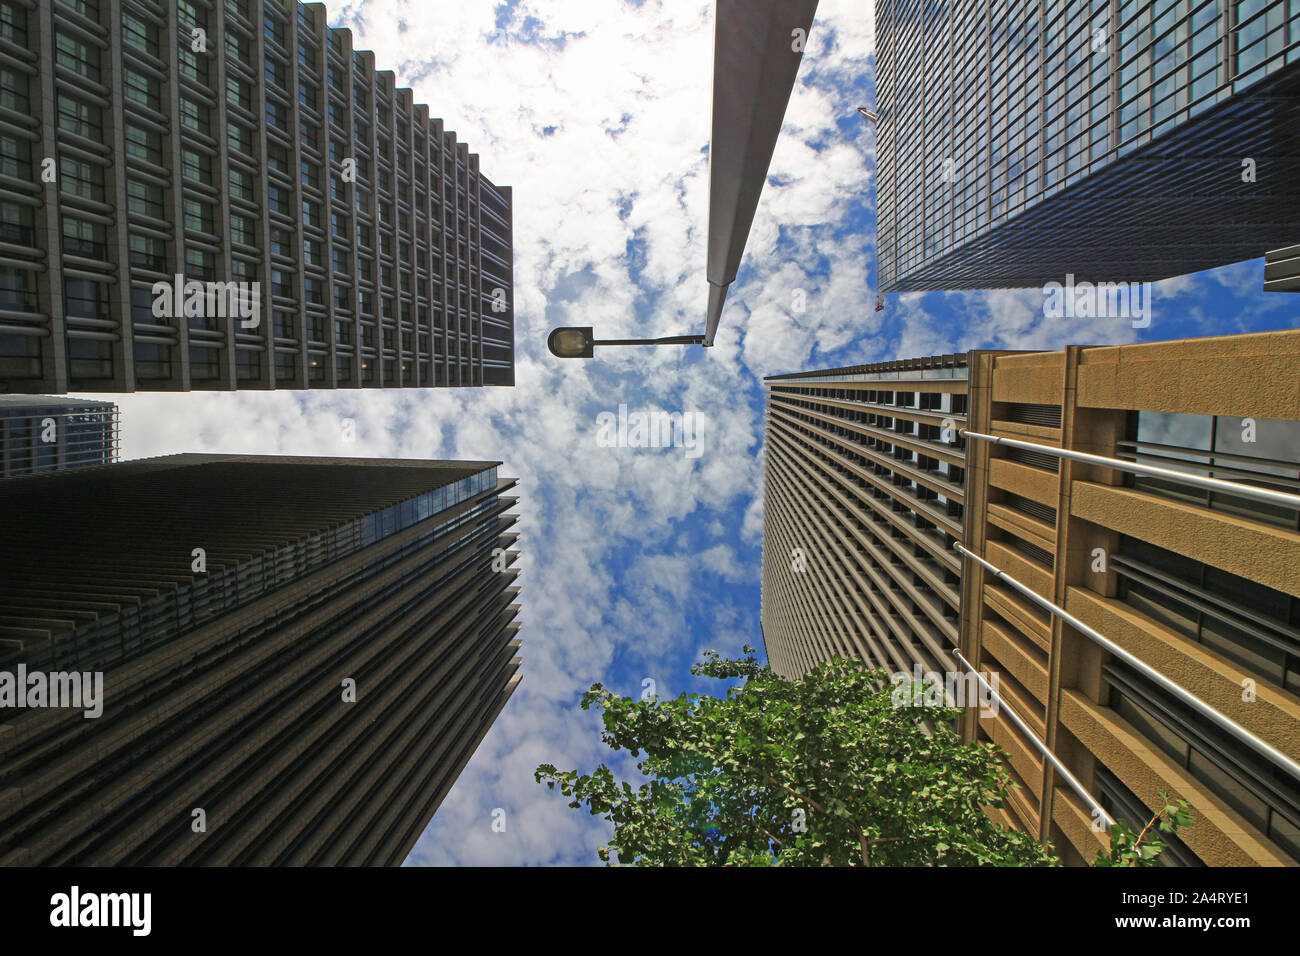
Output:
x=1020 y=142
x=42 y=433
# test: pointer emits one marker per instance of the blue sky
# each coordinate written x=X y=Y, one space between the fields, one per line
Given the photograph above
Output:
x=636 y=559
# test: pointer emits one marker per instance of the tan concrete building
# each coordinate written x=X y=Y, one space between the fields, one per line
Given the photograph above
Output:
x=1190 y=679
x=1200 y=585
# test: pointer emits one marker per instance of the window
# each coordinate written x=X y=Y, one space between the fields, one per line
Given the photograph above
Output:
x=80 y=119
x=243 y=270
x=310 y=174
x=198 y=216
x=242 y=185
x=277 y=116
x=190 y=16
x=238 y=93
x=15 y=157
x=13 y=91
x=17 y=290
x=273 y=28
x=276 y=75
x=277 y=158
x=277 y=200
x=143 y=144
x=194 y=65
x=286 y=366
x=307 y=57
x=285 y=327
x=310 y=213
x=194 y=115
x=339 y=225
x=309 y=135
x=85 y=299
x=239 y=137
x=139 y=88
x=139 y=33
x=205 y=363
x=196 y=166
x=89 y=358
x=72 y=54
x=282 y=243
x=200 y=264
x=13 y=23
x=84 y=238
x=144 y=199
x=79 y=178
x=147 y=252
x=237 y=47
x=153 y=360
x=281 y=283
x=16 y=224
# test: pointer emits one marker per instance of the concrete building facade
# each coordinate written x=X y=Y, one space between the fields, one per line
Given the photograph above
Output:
x=296 y=656
x=1201 y=585
x=228 y=195
x=863 y=500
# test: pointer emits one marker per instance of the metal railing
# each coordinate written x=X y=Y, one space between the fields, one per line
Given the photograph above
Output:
x=1212 y=484
x=1041 y=746
x=1227 y=724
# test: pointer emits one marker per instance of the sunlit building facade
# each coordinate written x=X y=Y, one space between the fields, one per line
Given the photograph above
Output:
x=901 y=528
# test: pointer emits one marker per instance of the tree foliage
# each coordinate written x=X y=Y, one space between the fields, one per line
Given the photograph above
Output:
x=1142 y=849
x=821 y=770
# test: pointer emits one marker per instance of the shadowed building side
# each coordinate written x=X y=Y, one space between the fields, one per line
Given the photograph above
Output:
x=307 y=651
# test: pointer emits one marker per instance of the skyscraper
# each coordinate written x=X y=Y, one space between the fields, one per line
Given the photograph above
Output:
x=1197 y=583
x=223 y=196
x=863 y=501
x=39 y=434
x=292 y=659
x=1282 y=270
x=1141 y=628
x=1110 y=141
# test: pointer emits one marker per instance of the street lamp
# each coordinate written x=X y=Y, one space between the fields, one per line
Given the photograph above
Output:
x=757 y=48
x=577 y=341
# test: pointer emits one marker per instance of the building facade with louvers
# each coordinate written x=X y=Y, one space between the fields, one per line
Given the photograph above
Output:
x=247 y=145
x=1199 y=583
x=46 y=433
x=302 y=654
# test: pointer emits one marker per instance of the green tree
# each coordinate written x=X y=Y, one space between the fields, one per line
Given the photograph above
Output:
x=822 y=770
x=1142 y=849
